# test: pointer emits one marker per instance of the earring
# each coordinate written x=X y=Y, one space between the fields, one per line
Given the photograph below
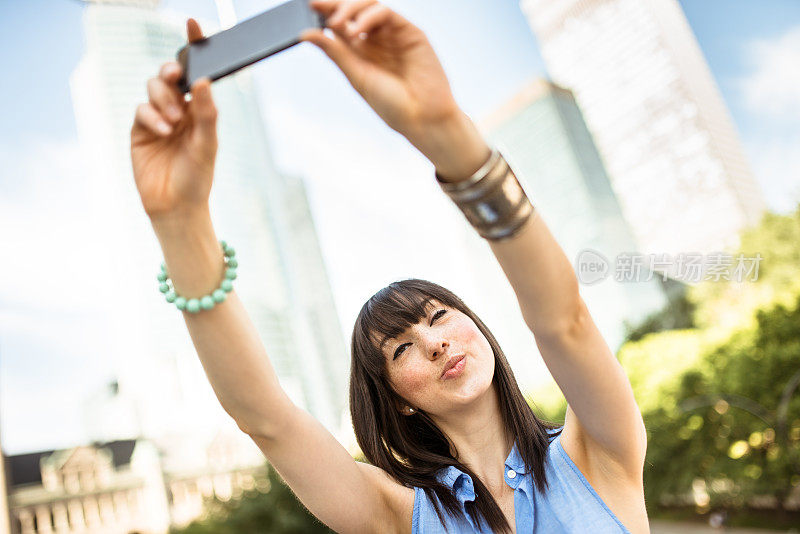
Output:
x=410 y=410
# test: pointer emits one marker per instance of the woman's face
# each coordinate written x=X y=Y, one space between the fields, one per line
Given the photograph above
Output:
x=417 y=358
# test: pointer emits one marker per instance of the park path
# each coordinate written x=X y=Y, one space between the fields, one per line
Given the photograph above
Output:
x=664 y=527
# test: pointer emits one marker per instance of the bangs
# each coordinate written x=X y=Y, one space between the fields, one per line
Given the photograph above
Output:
x=390 y=312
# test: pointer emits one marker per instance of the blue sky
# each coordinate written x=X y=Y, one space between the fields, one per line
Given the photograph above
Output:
x=47 y=332
x=466 y=33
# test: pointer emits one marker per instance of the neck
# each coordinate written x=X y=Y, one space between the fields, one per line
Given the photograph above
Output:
x=480 y=438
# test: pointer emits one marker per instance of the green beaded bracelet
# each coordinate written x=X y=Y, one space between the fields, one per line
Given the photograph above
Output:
x=208 y=301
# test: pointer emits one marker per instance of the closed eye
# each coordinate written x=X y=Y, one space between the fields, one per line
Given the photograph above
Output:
x=437 y=315
x=402 y=347
x=400 y=350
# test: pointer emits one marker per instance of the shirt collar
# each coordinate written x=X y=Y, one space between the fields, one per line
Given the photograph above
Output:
x=514 y=460
x=461 y=483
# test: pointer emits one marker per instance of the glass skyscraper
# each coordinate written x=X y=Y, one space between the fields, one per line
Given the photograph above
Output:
x=543 y=134
x=263 y=214
x=672 y=153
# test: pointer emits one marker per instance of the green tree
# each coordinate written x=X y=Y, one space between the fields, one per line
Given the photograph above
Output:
x=734 y=420
x=719 y=398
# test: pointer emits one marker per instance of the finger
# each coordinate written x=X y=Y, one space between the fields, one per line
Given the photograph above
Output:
x=326 y=7
x=171 y=73
x=149 y=118
x=336 y=49
x=372 y=17
x=204 y=112
x=318 y=37
x=345 y=12
x=164 y=99
x=193 y=31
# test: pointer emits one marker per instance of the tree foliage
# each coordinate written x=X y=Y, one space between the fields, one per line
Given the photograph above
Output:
x=720 y=400
x=731 y=431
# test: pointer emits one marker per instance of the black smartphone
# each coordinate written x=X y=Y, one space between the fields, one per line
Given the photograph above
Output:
x=249 y=41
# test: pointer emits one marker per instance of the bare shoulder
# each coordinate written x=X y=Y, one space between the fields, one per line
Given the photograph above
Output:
x=620 y=488
x=399 y=500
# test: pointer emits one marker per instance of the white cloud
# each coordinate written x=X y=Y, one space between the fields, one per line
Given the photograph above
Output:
x=771 y=95
x=772 y=88
x=47 y=223
x=776 y=162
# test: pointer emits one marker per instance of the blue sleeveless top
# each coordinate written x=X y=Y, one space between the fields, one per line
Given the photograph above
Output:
x=569 y=505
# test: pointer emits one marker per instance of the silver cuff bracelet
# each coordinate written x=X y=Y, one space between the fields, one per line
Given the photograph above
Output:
x=492 y=199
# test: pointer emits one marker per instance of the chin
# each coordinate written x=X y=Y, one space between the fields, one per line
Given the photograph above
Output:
x=470 y=386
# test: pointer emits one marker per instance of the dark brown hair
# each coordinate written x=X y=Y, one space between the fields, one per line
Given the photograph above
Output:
x=412 y=449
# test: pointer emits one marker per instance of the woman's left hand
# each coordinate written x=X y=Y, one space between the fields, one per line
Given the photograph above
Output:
x=390 y=62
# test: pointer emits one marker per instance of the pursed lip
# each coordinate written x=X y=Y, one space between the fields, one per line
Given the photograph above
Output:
x=451 y=363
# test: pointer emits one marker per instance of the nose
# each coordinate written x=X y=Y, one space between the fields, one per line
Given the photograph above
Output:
x=437 y=347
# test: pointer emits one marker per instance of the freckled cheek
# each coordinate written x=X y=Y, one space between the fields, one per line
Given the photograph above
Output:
x=467 y=335
x=411 y=381
x=471 y=340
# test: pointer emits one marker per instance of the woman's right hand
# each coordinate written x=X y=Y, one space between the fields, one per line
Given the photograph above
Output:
x=174 y=142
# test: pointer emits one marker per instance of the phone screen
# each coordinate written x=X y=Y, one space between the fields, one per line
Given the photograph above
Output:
x=249 y=41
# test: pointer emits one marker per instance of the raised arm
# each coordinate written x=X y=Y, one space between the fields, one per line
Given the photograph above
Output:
x=602 y=416
x=173 y=161
x=603 y=427
x=398 y=74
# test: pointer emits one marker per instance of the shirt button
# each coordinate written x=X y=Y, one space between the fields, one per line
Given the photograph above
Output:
x=511 y=473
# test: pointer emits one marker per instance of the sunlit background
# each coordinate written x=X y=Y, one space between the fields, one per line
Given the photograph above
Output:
x=656 y=130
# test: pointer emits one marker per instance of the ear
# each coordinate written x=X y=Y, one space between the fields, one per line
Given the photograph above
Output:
x=408 y=410
x=404 y=408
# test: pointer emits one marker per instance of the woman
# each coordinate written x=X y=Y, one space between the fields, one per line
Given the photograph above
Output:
x=451 y=443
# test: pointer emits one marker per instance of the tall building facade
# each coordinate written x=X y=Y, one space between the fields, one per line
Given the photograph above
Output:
x=651 y=103
x=261 y=213
x=545 y=138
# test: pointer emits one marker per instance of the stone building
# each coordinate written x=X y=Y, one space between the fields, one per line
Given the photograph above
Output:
x=118 y=487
